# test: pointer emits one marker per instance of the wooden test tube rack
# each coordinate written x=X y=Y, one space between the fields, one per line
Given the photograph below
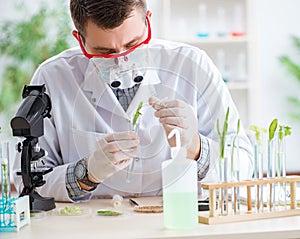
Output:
x=214 y=217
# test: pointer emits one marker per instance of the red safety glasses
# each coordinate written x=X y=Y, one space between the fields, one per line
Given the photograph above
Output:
x=116 y=55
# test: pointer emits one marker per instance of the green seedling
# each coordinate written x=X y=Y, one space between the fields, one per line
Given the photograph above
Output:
x=258 y=132
x=137 y=114
x=284 y=131
x=222 y=135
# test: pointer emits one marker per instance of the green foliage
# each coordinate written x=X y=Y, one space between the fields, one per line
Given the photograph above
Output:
x=294 y=70
x=25 y=44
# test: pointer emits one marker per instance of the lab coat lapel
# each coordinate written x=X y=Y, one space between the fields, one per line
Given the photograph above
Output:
x=102 y=95
x=145 y=91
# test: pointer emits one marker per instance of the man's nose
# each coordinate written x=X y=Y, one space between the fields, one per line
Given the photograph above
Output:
x=120 y=49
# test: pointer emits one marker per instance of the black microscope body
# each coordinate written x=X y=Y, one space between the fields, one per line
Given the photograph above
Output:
x=29 y=123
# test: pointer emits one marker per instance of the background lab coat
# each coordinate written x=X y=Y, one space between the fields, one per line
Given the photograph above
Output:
x=84 y=108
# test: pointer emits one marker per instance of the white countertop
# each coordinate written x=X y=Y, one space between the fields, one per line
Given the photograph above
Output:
x=140 y=225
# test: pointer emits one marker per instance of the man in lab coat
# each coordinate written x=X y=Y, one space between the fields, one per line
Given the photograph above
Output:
x=95 y=89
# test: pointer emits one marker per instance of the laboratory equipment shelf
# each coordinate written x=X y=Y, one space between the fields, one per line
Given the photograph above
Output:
x=253 y=209
x=229 y=42
x=196 y=41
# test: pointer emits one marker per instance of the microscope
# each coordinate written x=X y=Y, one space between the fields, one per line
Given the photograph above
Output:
x=28 y=123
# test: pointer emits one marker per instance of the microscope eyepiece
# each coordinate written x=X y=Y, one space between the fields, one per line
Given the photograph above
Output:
x=36 y=105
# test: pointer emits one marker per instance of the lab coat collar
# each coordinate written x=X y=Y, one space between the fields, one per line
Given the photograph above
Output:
x=103 y=96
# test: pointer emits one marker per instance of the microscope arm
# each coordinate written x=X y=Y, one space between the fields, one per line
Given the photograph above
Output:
x=26 y=167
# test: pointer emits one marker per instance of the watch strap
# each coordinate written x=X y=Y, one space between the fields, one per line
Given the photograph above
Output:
x=85 y=180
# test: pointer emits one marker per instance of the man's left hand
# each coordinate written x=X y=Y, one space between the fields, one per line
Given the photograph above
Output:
x=178 y=114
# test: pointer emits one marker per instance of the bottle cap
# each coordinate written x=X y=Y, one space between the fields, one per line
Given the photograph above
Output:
x=177 y=151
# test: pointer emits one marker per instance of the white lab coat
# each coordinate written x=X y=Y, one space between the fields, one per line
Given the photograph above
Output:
x=84 y=108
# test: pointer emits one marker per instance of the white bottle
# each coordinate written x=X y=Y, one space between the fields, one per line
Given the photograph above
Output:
x=180 y=189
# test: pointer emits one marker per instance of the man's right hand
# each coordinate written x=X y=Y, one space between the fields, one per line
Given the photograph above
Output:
x=113 y=153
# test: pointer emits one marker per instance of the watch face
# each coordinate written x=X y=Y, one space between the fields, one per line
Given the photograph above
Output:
x=80 y=170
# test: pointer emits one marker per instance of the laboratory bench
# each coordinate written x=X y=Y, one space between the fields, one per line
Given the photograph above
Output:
x=130 y=224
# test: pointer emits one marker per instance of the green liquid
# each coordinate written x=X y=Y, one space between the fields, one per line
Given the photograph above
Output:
x=180 y=210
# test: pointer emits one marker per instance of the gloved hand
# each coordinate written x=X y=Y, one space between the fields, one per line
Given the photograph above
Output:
x=112 y=154
x=178 y=114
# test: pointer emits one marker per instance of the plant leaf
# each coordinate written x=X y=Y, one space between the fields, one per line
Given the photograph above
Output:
x=272 y=128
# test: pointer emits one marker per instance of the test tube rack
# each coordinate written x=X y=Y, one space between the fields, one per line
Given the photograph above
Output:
x=14 y=213
x=250 y=210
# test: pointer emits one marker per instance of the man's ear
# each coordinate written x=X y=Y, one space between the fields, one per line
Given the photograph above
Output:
x=76 y=34
x=149 y=14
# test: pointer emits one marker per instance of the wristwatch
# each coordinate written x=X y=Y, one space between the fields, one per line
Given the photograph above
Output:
x=81 y=173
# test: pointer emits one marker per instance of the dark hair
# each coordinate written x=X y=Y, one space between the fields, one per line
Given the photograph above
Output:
x=107 y=14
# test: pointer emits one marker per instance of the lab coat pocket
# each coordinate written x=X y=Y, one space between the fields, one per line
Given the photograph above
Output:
x=82 y=143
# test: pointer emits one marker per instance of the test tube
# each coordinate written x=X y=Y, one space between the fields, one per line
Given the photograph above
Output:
x=281 y=172
x=131 y=166
x=5 y=174
x=5 y=180
x=223 y=192
x=271 y=173
x=235 y=174
x=259 y=148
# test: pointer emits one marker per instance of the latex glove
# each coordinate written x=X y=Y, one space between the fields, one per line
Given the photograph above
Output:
x=178 y=114
x=112 y=154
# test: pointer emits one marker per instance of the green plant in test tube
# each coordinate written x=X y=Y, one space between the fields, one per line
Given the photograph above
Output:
x=271 y=162
x=4 y=165
x=222 y=135
x=235 y=170
x=223 y=162
x=137 y=114
x=272 y=131
x=282 y=133
x=258 y=149
x=4 y=173
x=258 y=163
x=135 y=128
